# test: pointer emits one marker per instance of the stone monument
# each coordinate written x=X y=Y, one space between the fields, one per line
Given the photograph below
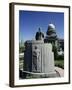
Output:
x=39 y=58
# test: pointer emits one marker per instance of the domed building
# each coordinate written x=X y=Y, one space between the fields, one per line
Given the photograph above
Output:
x=51 y=36
x=51 y=32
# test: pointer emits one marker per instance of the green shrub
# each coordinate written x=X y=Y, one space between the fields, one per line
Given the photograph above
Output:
x=55 y=52
x=60 y=57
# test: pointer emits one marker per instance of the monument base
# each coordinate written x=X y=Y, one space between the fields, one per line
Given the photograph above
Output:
x=26 y=74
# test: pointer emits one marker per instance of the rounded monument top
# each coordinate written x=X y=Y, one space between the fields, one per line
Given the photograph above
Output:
x=51 y=26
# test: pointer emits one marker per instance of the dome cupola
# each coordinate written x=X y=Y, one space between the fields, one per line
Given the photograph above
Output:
x=51 y=31
x=51 y=26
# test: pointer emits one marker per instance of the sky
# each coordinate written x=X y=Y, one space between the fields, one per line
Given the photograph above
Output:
x=30 y=21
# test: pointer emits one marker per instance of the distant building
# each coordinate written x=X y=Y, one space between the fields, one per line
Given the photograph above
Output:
x=21 y=43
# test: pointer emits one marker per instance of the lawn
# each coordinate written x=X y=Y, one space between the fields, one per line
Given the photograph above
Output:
x=59 y=63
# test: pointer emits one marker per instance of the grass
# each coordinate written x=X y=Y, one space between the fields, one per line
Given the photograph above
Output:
x=59 y=63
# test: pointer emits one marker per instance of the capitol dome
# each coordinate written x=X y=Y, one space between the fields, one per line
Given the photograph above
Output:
x=51 y=27
x=51 y=31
